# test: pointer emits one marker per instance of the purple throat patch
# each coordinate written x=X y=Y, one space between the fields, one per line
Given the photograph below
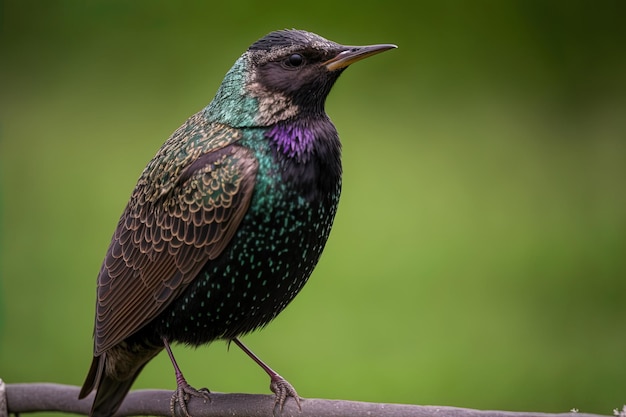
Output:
x=293 y=140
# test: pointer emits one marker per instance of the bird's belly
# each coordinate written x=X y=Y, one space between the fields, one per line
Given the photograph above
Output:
x=266 y=264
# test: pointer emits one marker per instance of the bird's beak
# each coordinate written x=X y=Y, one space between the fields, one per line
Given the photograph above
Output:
x=355 y=53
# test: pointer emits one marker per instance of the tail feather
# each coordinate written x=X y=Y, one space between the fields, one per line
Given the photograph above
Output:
x=95 y=371
x=109 y=392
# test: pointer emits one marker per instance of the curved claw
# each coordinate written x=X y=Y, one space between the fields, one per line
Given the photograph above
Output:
x=282 y=389
x=183 y=393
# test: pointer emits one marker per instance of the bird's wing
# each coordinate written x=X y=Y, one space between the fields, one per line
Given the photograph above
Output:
x=185 y=209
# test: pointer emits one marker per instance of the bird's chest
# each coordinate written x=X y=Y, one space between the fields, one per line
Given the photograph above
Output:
x=269 y=259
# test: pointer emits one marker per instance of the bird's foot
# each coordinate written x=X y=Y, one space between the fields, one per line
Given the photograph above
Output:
x=183 y=393
x=279 y=385
x=282 y=389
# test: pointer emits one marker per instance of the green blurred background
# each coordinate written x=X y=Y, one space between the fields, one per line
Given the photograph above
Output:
x=478 y=258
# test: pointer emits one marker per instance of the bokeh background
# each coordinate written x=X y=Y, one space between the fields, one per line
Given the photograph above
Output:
x=478 y=257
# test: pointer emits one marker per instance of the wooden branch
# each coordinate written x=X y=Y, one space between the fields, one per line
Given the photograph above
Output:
x=36 y=397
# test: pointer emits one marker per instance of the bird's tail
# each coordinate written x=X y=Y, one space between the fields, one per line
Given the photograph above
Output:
x=109 y=392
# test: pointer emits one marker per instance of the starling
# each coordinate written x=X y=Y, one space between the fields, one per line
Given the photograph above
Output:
x=227 y=221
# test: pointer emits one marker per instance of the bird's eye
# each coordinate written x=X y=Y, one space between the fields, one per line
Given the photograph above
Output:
x=294 y=60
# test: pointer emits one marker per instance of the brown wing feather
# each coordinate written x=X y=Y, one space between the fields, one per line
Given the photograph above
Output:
x=164 y=238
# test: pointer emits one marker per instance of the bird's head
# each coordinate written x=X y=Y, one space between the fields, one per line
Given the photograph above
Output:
x=282 y=76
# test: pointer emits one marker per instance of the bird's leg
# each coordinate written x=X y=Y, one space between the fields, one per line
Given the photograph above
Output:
x=279 y=385
x=184 y=391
